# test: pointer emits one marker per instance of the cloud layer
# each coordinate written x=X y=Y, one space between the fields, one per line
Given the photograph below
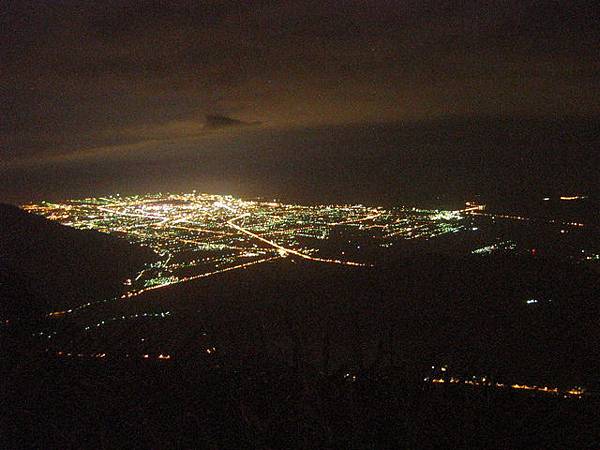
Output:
x=82 y=75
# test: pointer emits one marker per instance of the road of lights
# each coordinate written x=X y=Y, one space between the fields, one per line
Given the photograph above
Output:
x=441 y=375
x=577 y=392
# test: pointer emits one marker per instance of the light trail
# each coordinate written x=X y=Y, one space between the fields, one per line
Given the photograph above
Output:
x=203 y=275
x=132 y=294
x=572 y=197
x=570 y=392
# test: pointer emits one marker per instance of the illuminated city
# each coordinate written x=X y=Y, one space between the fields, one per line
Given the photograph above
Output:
x=198 y=235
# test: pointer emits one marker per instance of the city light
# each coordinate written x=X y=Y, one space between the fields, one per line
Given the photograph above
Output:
x=200 y=235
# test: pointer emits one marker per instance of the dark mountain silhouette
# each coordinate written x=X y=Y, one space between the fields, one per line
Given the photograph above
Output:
x=215 y=121
x=45 y=266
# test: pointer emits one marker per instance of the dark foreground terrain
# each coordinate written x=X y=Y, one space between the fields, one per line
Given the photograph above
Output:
x=167 y=404
x=423 y=351
x=45 y=266
x=295 y=365
x=470 y=313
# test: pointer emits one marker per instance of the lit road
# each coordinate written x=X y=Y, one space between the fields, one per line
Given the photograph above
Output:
x=285 y=251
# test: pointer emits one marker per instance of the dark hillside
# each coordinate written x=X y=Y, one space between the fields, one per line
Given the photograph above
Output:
x=45 y=266
x=471 y=313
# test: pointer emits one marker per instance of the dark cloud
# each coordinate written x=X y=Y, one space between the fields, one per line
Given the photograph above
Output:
x=215 y=121
x=80 y=75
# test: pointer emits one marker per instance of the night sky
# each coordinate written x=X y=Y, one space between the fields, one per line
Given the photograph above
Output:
x=92 y=93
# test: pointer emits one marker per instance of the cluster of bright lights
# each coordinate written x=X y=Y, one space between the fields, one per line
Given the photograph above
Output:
x=504 y=245
x=200 y=235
